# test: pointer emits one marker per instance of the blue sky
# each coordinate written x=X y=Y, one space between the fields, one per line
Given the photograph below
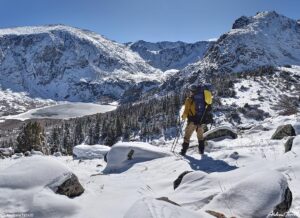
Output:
x=150 y=20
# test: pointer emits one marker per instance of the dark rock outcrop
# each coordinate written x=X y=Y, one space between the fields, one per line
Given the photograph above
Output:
x=282 y=208
x=241 y=22
x=284 y=131
x=177 y=182
x=70 y=187
x=220 y=132
x=289 y=144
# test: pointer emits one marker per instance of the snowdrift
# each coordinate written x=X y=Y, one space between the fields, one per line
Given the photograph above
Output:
x=254 y=196
x=90 y=151
x=124 y=154
x=150 y=208
x=27 y=187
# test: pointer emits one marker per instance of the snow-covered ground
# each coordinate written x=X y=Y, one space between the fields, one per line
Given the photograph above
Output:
x=238 y=177
x=63 y=111
x=18 y=102
x=264 y=92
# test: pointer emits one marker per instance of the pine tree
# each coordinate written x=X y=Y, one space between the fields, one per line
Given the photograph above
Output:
x=67 y=142
x=78 y=134
x=54 y=140
x=32 y=137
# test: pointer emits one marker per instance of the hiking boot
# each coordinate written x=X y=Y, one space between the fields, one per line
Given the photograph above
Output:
x=201 y=147
x=185 y=146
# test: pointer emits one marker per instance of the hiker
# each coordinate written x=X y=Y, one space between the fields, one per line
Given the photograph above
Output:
x=195 y=111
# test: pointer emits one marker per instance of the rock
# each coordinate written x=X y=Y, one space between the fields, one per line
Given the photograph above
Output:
x=70 y=187
x=235 y=155
x=33 y=152
x=166 y=199
x=281 y=209
x=220 y=132
x=216 y=214
x=284 y=131
x=241 y=22
x=27 y=154
x=289 y=144
x=177 y=182
x=57 y=154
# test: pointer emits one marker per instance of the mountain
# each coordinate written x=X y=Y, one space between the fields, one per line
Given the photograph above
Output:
x=264 y=39
x=257 y=42
x=170 y=55
x=64 y=63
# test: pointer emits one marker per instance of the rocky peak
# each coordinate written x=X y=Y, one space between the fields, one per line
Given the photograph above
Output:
x=241 y=22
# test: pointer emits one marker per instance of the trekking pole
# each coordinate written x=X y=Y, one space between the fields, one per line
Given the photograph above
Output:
x=179 y=131
x=177 y=138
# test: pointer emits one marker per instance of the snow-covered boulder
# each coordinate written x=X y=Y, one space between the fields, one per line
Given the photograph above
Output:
x=90 y=151
x=33 y=152
x=6 y=152
x=284 y=131
x=254 y=196
x=29 y=185
x=153 y=208
x=124 y=154
x=219 y=133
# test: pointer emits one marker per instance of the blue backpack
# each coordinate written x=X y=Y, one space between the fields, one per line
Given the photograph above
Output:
x=203 y=101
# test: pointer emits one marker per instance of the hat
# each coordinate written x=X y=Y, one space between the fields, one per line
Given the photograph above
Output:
x=193 y=88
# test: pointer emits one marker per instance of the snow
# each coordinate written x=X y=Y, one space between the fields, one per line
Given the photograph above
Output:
x=170 y=55
x=6 y=151
x=90 y=151
x=125 y=154
x=250 y=172
x=20 y=175
x=63 y=111
x=26 y=188
x=241 y=177
x=149 y=208
x=255 y=194
x=63 y=63
x=263 y=93
x=267 y=39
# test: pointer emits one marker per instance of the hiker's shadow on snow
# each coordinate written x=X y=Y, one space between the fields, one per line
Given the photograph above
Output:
x=209 y=165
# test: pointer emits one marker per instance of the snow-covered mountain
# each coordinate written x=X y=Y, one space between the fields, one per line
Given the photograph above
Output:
x=264 y=39
x=65 y=63
x=170 y=55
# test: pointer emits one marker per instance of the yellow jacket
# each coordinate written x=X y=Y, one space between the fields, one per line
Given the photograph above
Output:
x=189 y=105
x=189 y=108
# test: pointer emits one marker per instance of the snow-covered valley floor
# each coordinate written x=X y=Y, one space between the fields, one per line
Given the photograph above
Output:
x=237 y=177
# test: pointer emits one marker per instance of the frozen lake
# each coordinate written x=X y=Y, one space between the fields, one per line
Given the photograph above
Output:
x=63 y=111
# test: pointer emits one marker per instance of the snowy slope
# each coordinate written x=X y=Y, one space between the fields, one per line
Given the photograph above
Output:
x=17 y=102
x=170 y=55
x=246 y=184
x=64 y=63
